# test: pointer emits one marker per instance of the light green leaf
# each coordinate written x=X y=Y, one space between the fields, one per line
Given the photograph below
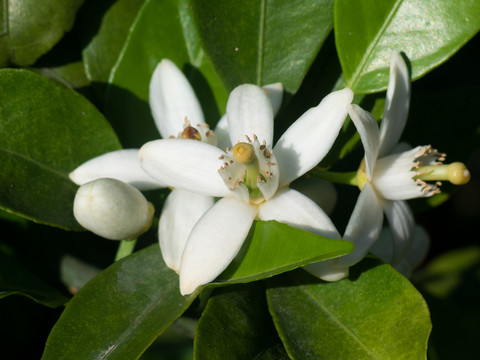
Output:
x=375 y=314
x=263 y=42
x=46 y=131
x=119 y=313
x=17 y=280
x=428 y=32
x=272 y=248
x=104 y=48
x=235 y=325
x=162 y=29
x=29 y=28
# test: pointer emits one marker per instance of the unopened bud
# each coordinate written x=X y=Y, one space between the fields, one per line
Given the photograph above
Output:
x=112 y=209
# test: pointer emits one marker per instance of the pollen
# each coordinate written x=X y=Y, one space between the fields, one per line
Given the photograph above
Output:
x=190 y=133
x=243 y=153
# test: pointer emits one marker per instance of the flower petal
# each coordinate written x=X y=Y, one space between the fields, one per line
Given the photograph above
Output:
x=214 y=242
x=122 y=165
x=295 y=209
x=181 y=211
x=221 y=131
x=368 y=129
x=319 y=190
x=172 y=100
x=307 y=141
x=249 y=112
x=275 y=94
x=396 y=104
x=400 y=219
x=363 y=229
x=186 y=164
x=416 y=252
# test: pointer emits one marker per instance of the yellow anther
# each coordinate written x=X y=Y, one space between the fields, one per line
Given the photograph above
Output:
x=191 y=133
x=243 y=153
x=458 y=173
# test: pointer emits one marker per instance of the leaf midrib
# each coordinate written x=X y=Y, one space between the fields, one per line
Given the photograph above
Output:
x=373 y=44
x=261 y=41
x=34 y=161
x=337 y=321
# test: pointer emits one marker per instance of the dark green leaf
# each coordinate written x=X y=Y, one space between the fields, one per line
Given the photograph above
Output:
x=162 y=29
x=17 y=280
x=451 y=285
x=46 y=131
x=263 y=42
x=29 y=28
x=235 y=325
x=375 y=314
x=272 y=248
x=120 y=312
x=428 y=32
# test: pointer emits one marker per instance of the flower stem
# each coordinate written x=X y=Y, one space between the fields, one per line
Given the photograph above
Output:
x=125 y=248
x=346 y=178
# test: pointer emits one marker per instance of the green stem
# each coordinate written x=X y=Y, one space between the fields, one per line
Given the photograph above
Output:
x=125 y=248
x=346 y=178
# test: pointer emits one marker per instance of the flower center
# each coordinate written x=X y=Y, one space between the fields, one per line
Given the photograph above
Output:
x=361 y=175
x=250 y=171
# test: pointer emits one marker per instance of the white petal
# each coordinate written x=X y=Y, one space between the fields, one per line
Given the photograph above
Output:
x=172 y=99
x=295 y=209
x=221 y=131
x=186 y=164
x=275 y=94
x=383 y=247
x=396 y=104
x=416 y=252
x=214 y=242
x=249 y=112
x=393 y=177
x=122 y=165
x=402 y=223
x=364 y=226
x=181 y=211
x=308 y=140
x=368 y=129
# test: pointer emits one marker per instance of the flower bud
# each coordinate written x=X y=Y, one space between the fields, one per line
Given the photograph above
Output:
x=112 y=209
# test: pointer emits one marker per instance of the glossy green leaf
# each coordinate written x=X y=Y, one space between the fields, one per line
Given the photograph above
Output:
x=17 y=280
x=46 y=130
x=428 y=32
x=104 y=48
x=263 y=42
x=119 y=313
x=374 y=314
x=29 y=28
x=162 y=29
x=272 y=248
x=235 y=325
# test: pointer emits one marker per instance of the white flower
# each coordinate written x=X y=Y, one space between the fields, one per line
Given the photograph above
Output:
x=250 y=178
x=177 y=113
x=112 y=209
x=388 y=176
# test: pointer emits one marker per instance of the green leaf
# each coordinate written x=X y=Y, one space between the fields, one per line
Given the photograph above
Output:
x=428 y=32
x=29 y=28
x=162 y=29
x=263 y=42
x=104 y=48
x=46 y=131
x=235 y=324
x=375 y=314
x=272 y=248
x=119 y=313
x=17 y=280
